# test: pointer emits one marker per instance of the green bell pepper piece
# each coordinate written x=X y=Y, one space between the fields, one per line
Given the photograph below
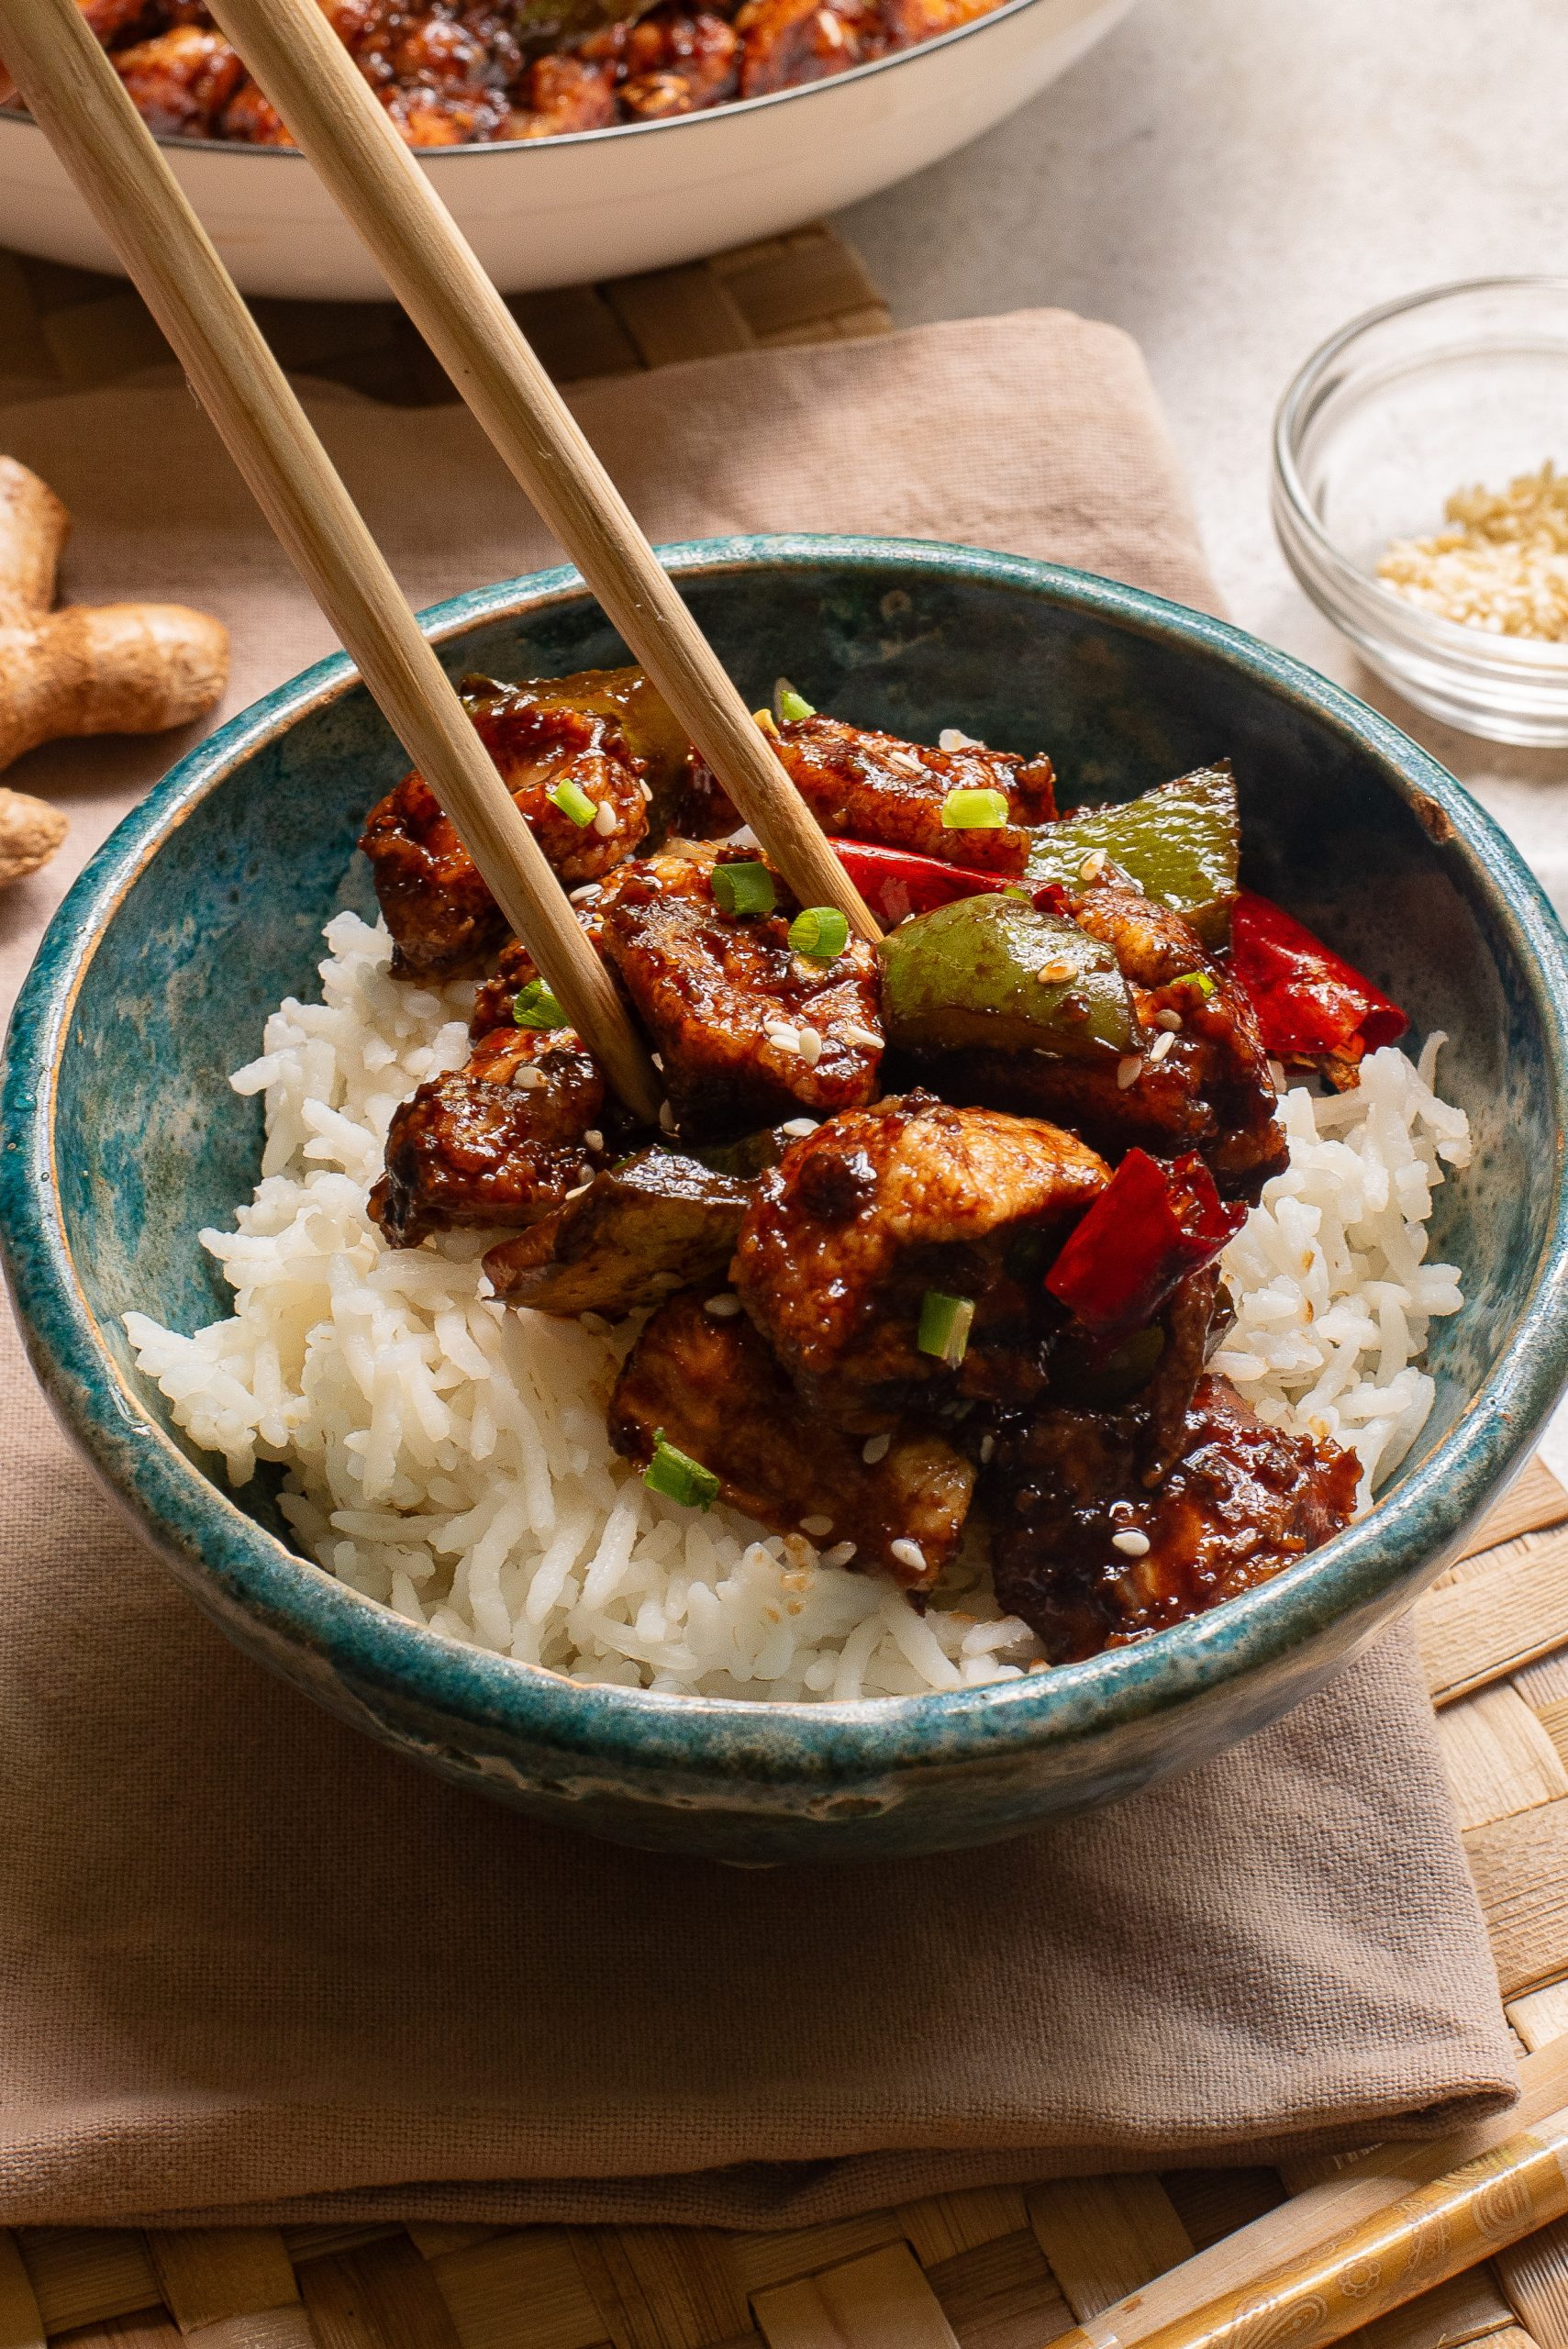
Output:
x=1181 y=844
x=967 y=975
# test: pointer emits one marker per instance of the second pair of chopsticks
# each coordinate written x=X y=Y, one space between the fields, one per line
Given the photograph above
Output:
x=73 y=91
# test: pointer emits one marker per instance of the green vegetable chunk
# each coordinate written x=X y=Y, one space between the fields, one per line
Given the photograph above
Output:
x=743 y=889
x=974 y=811
x=1180 y=843
x=535 y=1007
x=991 y=970
x=678 y=1476
x=820 y=933
x=790 y=705
x=573 y=802
x=944 y=1325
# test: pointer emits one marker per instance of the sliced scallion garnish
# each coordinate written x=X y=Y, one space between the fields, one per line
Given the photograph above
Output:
x=789 y=706
x=535 y=1007
x=944 y=1325
x=819 y=933
x=678 y=1476
x=744 y=888
x=1199 y=979
x=974 y=811
x=574 y=803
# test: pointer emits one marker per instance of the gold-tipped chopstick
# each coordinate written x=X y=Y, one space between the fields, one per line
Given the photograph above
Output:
x=294 y=53
x=75 y=92
x=1323 y=2291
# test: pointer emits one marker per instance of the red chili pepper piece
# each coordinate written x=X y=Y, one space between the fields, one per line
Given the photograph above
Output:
x=896 y=884
x=1308 y=998
x=1154 y=1223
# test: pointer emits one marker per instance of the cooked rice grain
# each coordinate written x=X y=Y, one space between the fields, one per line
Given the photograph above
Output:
x=449 y=1457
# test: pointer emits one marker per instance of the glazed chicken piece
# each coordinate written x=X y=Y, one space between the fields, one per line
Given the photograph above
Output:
x=181 y=80
x=863 y=1217
x=905 y=22
x=501 y=1142
x=443 y=920
x=678 y=871
x=785 y=42
x=677 y=60
x=749 y=1032
x=876 y=787
x=654 y=1223
x=1238 y=1502
x=110 y=19
x=1200 y=1079
x=562 y=94
x=713 y=1389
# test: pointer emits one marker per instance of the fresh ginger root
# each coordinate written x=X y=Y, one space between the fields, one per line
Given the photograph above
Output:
x=103 y=669
x=30 y=832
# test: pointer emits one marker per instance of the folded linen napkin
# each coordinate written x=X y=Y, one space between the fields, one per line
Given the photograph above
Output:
x=254 y=1968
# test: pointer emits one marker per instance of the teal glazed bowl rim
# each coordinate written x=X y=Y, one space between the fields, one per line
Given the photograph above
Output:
x=208 y=1538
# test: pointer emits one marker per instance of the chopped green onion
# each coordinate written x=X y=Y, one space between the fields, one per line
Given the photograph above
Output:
x=573 y=802
x=678 y=1476
x=944 y=1325
x=764 y=719
x=974 y=811
x=744 y=888
x=819 y=933
x=535 y=1007
x=1199 y=979
x=791 y=707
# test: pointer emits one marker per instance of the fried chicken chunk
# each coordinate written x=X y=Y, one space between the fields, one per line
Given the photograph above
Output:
x=862 y=1218
x=712 y=1386
x=1238 y=1502
x=654 y=1223
x=499 y=1142
x=443 y=920
x=181 y=80
x=1201 y=1079
x=749 y=1032
x=876 y=787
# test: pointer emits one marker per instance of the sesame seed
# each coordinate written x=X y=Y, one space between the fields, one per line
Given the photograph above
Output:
x=1051 y=974
x=816 y=1526
x=646 y=793
x=657 y=1058
x=783 y=1040
x=577 y=1190
x=597 y=1323
x=850 y=1031
x=1129 y=1069
x=723 y=1307
x=810 y=1047
x=585 y=894
x=987 y=1447
x=1160 y=1047
x=906 y=760
x=604 y=819
x=528 y=1079
x=592 y=1139
x=840 y=1555
x=908 y=1554
x=1094 y=864
x=1169 y=1020
x=664 y=1281
x=952 y=738
x=666 y=1117
x=798 y=1127
x=874 y=1447
x=1131 y=1545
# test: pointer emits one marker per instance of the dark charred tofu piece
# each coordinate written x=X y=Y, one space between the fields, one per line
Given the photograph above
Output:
x=712 y=1388
x=749 y=1032
x=444 y=922
x=1091 y=1556
x=876 y=787
x=863 y=1217
x=655 y=1223
x=1200 y=1079
x=499 y=1143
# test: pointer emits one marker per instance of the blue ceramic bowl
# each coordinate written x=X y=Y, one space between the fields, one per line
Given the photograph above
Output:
x=206 y=907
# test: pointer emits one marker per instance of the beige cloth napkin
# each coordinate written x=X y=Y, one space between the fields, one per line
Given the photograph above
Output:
x=253 y=1967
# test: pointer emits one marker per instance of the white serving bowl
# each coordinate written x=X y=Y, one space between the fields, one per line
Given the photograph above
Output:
x=598 y=204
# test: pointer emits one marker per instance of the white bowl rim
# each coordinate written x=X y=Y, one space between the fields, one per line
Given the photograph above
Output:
x=725 y=111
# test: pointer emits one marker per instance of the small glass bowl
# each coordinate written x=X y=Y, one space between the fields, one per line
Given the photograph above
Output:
x=1401 y=408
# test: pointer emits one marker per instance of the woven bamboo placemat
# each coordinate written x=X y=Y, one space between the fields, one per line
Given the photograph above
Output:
x=1001 y=2267
x=1005 y=2267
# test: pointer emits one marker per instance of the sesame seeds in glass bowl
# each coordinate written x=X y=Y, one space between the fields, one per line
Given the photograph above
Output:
x=1421 y=403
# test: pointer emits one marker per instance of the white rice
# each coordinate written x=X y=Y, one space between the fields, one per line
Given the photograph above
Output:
x=449 y=1457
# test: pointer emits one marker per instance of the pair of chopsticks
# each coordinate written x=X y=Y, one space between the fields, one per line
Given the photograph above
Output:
x=73 y=91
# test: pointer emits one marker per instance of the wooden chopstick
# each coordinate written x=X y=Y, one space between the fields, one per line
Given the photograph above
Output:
x=1320 y=2293
x=304 y=70
x=75 y=92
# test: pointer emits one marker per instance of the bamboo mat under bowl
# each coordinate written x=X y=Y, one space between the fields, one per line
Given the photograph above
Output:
x=1005 y=2267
